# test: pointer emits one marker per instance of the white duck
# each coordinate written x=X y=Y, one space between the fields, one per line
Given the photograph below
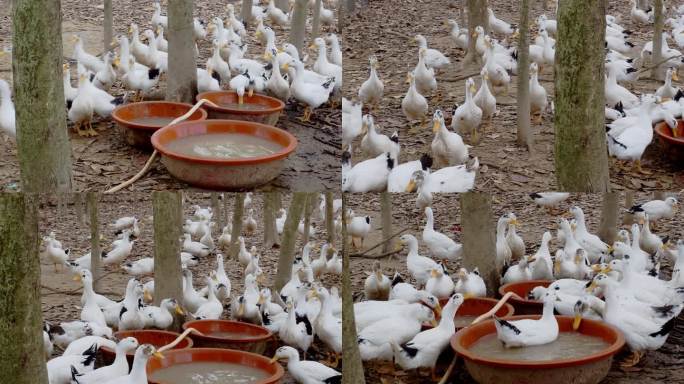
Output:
x=119 y=366
x=447 y=147
x=138 y=374
x=440 y=284
x=433 y=57
x=528 y=332
x=161 y=317
x=372 y=89
x=7 y=113
x=414 y=105
x=424 y=76
x=418 y=266
x=470 y=283
x=538 y=99
x=439 y=244
x=484 y=97
x=377 y=285
x=306 y=371
x=367 y=176
x=468 y=116
x=515 y=242
x=519 y=272
x=374 y=143
x=352 y=122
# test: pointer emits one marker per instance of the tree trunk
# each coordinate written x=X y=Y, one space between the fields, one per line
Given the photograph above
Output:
x=340 y=16
x=23 y=359
x=42 y=141
x=182 y=76
x=642 y=4
x=580 y=148
x=216 y=211
x=238 y=212
x=350 y=6
x=628 y=218
x=657 y=71
x=479 y=237
x=78 y=207
x=316 y=21
x=310 y=202
x=284 y=5
x=289 y=239
x=524 y=129
x=609 y=217
x=108 y=33
x=270 y=232
x=463 y=13
x=386 y=218
x=298 y=24
x=246 y=12
x=329 y=218
x=226 y=211
x=168 y=219
x=352 y=369
x=477 y=16
x=95 y=258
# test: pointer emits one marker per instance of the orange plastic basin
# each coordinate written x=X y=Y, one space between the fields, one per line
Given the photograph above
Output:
x=671 y=145
x=587 y=369
x=476 y=306
x=157 y=338
x=216 y=355
x=524 y=306
x=138 y=134
x=256 y=339
x=237 y=173
x=269 y=114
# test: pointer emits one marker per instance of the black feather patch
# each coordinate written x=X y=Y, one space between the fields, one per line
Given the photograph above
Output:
x=535 y=196
x=630 y=61
x=123 y=310
x=396 y=279
x=268 y=66
x=629 y=44
x=631 y=70
x=367 y=219
x=620 y=108
x=153 y=73
x=337 y=379
x=614 y=140
x=395 y=137
x=636 y=208
x=653 y=272
x=117 y=100
x=328 y=83
x=664 y=310
x=390 y=161
x=411 y=351
x=627 y=32
x=304 y=319
x=69 y=103
x=216 y=76
x=665 y=330
x=92 y=77
x=346 y=157
x=506 y=324
x=266 y=319
x=90 y=355
x=74 y=373
x=425 y=162
x=679 y=95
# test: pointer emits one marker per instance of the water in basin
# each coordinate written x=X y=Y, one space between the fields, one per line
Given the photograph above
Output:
x=569 y=345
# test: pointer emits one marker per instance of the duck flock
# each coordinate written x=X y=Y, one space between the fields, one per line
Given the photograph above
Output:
x=141 y=62
x=619 y=283
x=302 y=311
x=629 y=115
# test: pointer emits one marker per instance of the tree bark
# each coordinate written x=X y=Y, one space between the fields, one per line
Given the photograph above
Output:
x=298 y=24
x=108 y=33
x=216 y=214
x=289 y=239
x=284 y=5
x=580 y=147
x=168 y=219
x=238 y=212
x=479 y=237
x=386 y=218
x=477 y=16
x=95 y=258
x=246 y=12
x=352 y=369
x=329 y=218
x=628 y=218
x=524 y=137
x=609 y=217
x=182 y=76
x=657 y=72
x=350 y=6
x=316 y=21
x=78 y=207
x=340 y=16
x=23 y=359
x=42 y=141
x=270 y=232
x=308 y=209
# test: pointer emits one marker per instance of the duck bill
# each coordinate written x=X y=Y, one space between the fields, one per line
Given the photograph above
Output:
x=179 y=310
x=591 y=287
x=410 y=187
x=261 y=300
x=576 y=322
x=273 y=360
x=241 y=99
x=435 y=126
x=77 y=278
x=438 y=310
x=147 y=296
x=434 y=323
x=158 y=355
x=250 y=93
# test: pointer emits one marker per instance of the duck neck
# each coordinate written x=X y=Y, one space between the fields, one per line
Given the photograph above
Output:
x=448 y=313
x=501 y=229
x=413 y=247
x=581 y=224
x=430 y=225
x=322 y=55
x=547 y=313
x=139 y=372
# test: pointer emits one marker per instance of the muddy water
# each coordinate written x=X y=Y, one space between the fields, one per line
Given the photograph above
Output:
x=569 y=345
x=208 y=373
x=230 y=335
x=224 y=146
x=244 y=106
x=153 y=120
x=464 y=321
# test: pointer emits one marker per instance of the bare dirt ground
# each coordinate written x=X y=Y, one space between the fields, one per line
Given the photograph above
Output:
x=61 y=295
x=664 y=365
x=106 y=160
x=385 y=28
